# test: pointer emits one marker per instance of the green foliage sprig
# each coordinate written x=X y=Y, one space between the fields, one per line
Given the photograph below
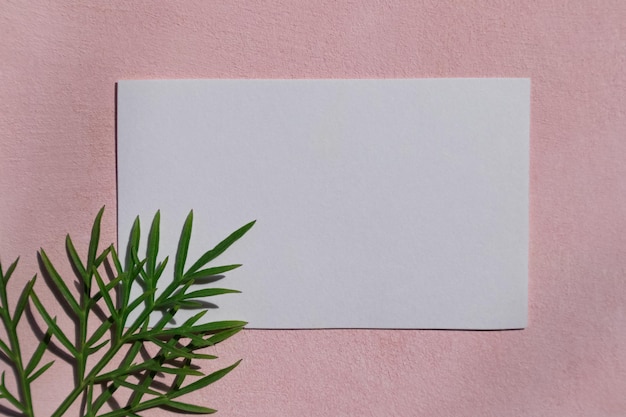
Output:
x=119 y=336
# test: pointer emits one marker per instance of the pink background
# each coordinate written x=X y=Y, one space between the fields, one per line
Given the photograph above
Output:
x=58 y=68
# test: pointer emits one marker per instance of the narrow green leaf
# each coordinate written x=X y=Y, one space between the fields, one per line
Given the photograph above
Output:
x=129 y=278
x=143 y=316
x=76 y=262
x=102 y=256
x=128 y=409
x=95 y=239
x=166 y=318
x=209 y=272
x=223 y=335
x=153 y=245
x=220 y=247
x=6 y=350
x=100 y=331
x=188 y=304
x=58 y=281
x=136 y=387
x=104 y=292
x=203 y=382
x=124 y=372
x=7 y=274
x=116 y=260
x=94 y=349
x=5 y=392
x=52 y=325
x=198 y=342
x=133 y=243
x=178 y=381
x=89 y=402
x=183 y=331
x=23 y=300
x=140 y=299
x=183 y=247
x=189 y=408
x=193 y=319
x=177 y=371
x=209 y=292
x=218 y=325
x=40 y=371
x=106 y=288
x=160 y=268
x=38 y=354
x=176 y=351
x=135 y=258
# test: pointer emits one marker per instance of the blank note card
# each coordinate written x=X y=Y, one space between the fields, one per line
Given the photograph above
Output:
x=379 y=203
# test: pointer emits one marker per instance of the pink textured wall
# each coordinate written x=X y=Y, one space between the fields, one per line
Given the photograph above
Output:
x=58 y=66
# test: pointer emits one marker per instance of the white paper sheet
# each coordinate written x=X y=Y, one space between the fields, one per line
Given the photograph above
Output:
x=379 y=203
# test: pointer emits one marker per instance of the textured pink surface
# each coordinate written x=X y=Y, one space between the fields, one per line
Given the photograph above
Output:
x=58 y=66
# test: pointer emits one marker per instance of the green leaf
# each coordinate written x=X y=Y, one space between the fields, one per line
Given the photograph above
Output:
x=5 y=392
x=201 y=328
x=161 y=267
x=178 y=381
x=223 y=335
x=16 y=403
x=58 y=281
x=198 y=342
x=93 y=242
x=104 y=292
x=94 y=349
x=189 y=408
x=74 y=258
x=205 y=273
x=127 y=282
x=52 y=325
x=41 y=349
x=133 y=243
x=136 y=387
x=193 y=319
x=40 y=371
x=188 y=304
x=209 y=292
x=124 y=372
x=137 y=301
x=116 y=260
x=220 y=247
x=203 y=382
x=183 y=247
x=217 y=326
x=6 y=350
x=102 y=256
x=167 y=318
x=105 y=289
x=183 y=352
x=7 y=274
x=177 y=371
x=145 y=314
x=23 y=300
x=100 y=331
x=153 y=245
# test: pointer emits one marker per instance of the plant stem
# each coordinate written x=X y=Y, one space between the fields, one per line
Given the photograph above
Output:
x=108 y=393
x=80 y=388
x=24 y=385
x=11 y=327
x=82 y=349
